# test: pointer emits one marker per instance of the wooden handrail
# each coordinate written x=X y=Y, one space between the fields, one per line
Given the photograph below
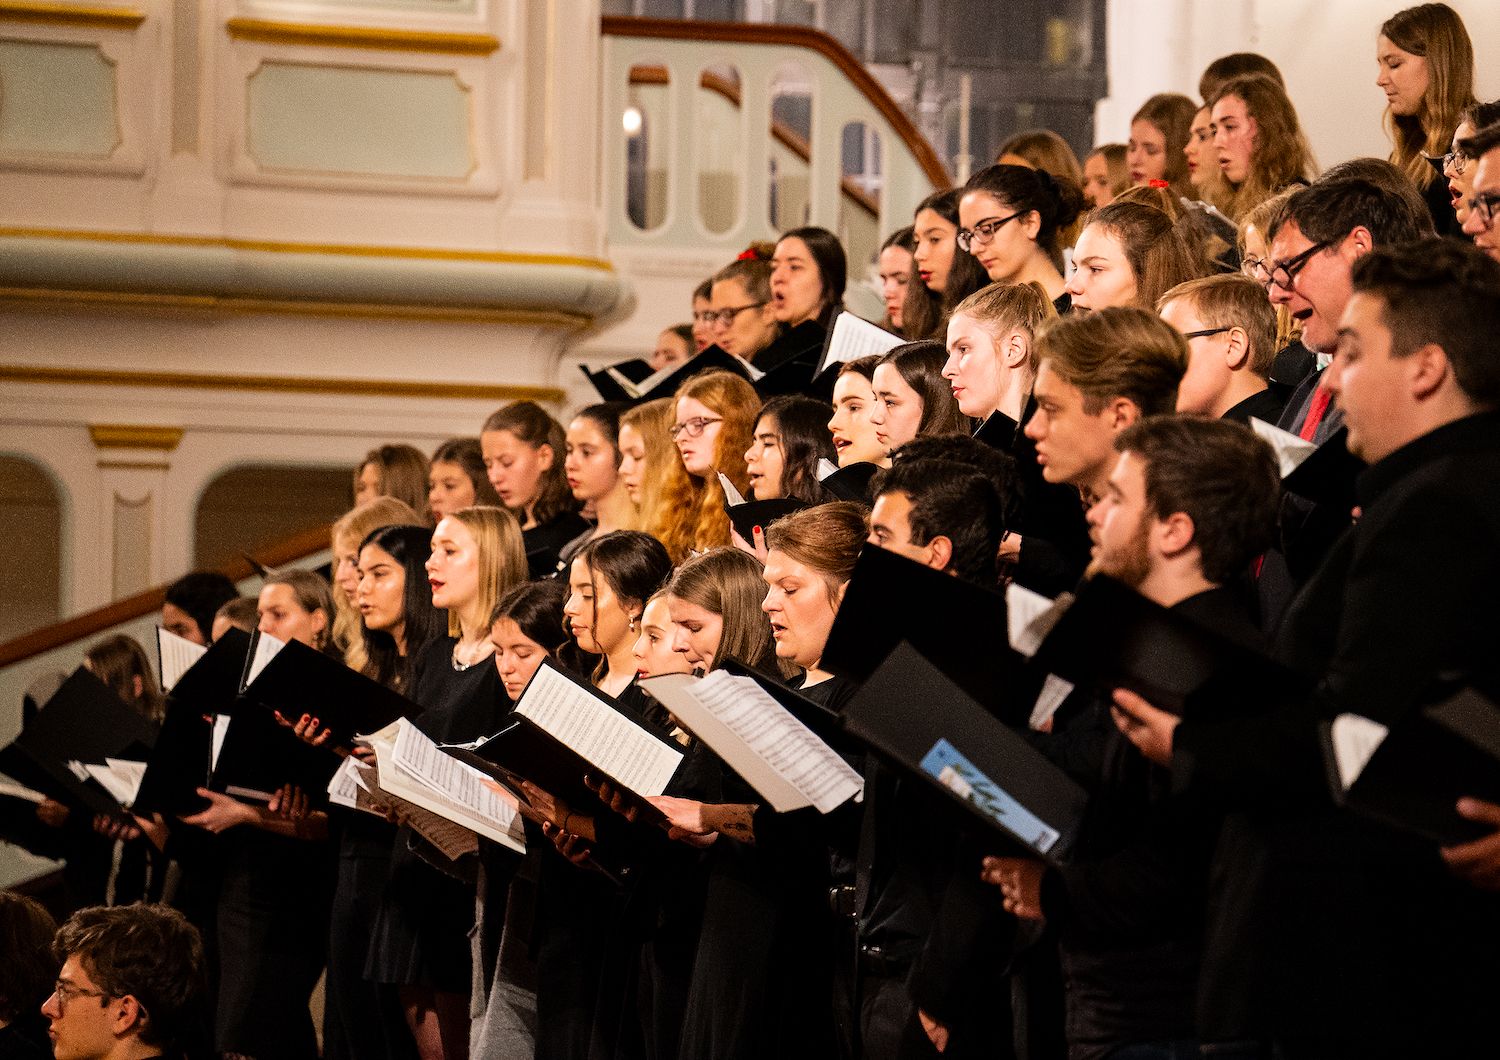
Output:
x=303 y=543
x=781 y=132
x=797 y=37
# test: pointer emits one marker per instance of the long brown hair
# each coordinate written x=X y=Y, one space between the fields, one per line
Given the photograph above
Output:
x=531 y=425
x=693 y=508
x=921 y=367
x=1282 y=155
x=1435 y=33
x=727 y=582
x=924 y=313
x=1159 y=252
x=1171 y=114
x=402 y=471
x=118 y=661
x=351 y=528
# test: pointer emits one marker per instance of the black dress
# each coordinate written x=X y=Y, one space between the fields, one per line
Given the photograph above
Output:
x=421 y=934
x=764 y=968
x=544 y=542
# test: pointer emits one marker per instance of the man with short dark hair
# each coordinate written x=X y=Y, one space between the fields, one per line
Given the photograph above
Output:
x=131 y=982
x=1187 y=505
x=1398 y=961
x=941 y=514
x=1484 y=202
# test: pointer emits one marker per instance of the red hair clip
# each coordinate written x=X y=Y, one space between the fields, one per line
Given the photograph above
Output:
x=1158 y=184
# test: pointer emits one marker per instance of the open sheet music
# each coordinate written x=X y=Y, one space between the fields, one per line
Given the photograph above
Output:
x=760 y=739
x=1355 y=741
x=1030 y=616
x=357 y=786
x=262 y=651
x=596 y=732
x=175 y=655
x=120 y=777
x=1290 y=449
x=853 y=337
x=413 y=768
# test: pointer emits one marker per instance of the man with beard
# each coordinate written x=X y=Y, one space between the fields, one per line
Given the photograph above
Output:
x=1186 y=507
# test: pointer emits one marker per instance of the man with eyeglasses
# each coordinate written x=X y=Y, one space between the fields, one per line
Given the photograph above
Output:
x=1483 y=149
x=1314 y=244
x=130 y=987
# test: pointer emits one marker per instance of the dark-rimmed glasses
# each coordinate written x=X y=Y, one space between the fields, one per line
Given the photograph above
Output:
x=984 y=231
x=1483 y=206
x=726 y=316
x=1284 y=273
x=1206 y=332
x=694 y=427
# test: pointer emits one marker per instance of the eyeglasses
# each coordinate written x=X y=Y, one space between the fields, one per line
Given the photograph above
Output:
x=67 y=992
x=1256 y=269
x=984 y=231
x=1457 y=160
x=726 y=316
x=693 y=428
x=1284 y=274
x=1206 y=332
x=1483 y=206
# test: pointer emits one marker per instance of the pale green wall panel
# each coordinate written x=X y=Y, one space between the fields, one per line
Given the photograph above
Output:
x=56 y=99
x=340 y=120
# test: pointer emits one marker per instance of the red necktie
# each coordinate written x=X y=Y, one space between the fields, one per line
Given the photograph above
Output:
x=1315 y=412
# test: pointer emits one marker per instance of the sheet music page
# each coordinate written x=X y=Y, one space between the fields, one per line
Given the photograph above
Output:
x=120 y=778
x=266 y=649
x=1355 y=741
x=764 y=742
x=601 y=735
x=221 y=730
x=343 y=789
x=1290 y=450
x=175 y=654
x=732 y=495
x=452 y=839
x=413 y=768
x=635 y=390
x=16 y=790
x=1030 y=616
x=1054 y=691
x=854 y=337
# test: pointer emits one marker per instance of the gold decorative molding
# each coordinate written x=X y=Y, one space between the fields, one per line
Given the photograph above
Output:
x=54 y=14
x=134 y=436
x=265 y=31
x=282 y=384
x=506 y=257
x=46 y=298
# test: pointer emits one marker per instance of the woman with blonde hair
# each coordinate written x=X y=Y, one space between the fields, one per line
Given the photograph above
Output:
x=714 y=414
x=1426 y=64
x=1258 y=141
x=351 y=528
x=991 y=363
x=646 y=458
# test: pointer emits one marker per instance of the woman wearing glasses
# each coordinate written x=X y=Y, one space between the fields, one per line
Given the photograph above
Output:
x=1459 y=167
x=941 y=276
x=742 y=315
x=1011 y=219
x=1426 y=70
x=714 y=414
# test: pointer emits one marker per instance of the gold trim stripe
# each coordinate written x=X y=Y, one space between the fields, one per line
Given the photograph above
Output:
x=265 y=31
x=506 y=257
x=70 y=14
x=134 y=436
x=48 y=298
x=282 y=384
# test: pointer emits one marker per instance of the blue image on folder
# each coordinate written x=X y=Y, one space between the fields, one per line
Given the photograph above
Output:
x=945 y=764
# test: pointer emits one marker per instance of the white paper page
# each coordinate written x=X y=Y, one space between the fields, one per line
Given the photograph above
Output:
x=1054 y=691
x=343 y=789
x=15 y=790
x=732 y=495
x=120 y=778
x=826 y=467
x=266 y=649
x=1030 y=616
x=221 y=730
x=131 y=772
x=1355 y=741
x=633 y=389
x=764 y=742
x=451 y=838
x=854 y=337
x=177 y=654
x=1290 y=450
x=601 y=735
x=413 y=768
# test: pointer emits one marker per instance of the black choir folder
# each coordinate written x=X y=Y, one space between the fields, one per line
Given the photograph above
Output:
x=745 y=515
x=851 y=482
x=1412 y=775
x=182 y=760
x=958 y=625
x=610 y=381
x=1113 y=637
x=914 y=717
x=296 y=679
x=564 y=729
x=256 y=755
x=1328 y=475
x=84 y=722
